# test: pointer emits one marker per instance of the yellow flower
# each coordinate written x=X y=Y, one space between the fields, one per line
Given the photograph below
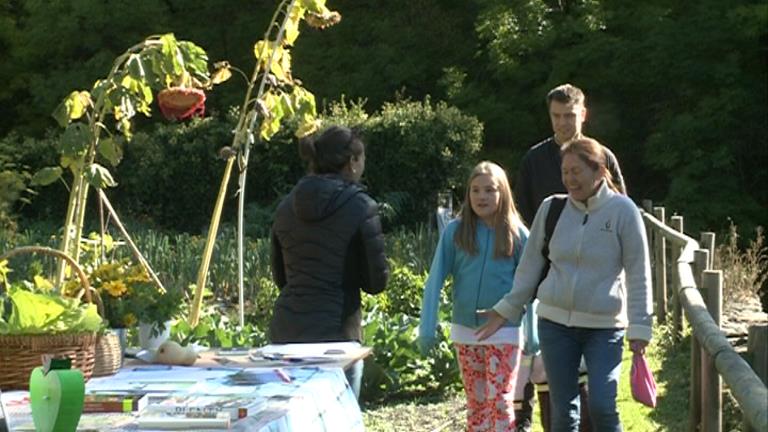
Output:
x=129 y=319
x=115 y=288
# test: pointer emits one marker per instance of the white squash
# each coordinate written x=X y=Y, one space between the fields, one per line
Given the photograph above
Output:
x=171 y=353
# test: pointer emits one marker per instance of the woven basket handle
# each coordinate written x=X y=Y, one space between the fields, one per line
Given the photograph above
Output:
x=58 y=254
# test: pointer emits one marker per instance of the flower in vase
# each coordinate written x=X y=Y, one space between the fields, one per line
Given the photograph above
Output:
x=115 y=288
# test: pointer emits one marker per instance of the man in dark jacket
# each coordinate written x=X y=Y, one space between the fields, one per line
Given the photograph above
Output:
x=540 y=176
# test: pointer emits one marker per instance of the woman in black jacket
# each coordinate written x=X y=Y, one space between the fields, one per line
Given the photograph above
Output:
x=327 y=245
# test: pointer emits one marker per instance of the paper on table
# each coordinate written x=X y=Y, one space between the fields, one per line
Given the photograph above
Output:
x=309 y=349
x=154 y=378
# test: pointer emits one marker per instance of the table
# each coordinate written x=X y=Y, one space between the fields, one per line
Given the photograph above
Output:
x=317 y=398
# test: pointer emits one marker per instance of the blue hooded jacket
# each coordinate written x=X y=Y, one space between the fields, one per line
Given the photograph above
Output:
x=479 y=281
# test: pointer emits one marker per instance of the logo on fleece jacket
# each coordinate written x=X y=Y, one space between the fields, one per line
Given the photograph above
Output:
x=607 y=227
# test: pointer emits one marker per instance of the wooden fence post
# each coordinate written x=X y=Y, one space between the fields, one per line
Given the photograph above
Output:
x=676 y=222
x=660 y=269
x=757 y=352
x=700 y=263
x=648 y=207
x=711 y=383
x=708 y=242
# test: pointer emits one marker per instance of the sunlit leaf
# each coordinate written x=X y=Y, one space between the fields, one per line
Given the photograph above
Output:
x=111 y=150
x=75 y=140
x=316 y=6
x=307 y=128
x=285 y=64
x=173 y=60
x=129 y=83
x=292 y=24
x=99 y=177
x=273 y=105
x=42 y=283
x=135 y=66
x=124 y=126
x=145 y=96
x=4 y=270
x=46 y=176
x=72 y=107
x=286 y=104
x=303 y=101
x=195 y=59
x=262 y=50
x=221 y=75
x=269 y=127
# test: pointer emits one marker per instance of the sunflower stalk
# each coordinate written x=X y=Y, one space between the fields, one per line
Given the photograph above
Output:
x=269 y=106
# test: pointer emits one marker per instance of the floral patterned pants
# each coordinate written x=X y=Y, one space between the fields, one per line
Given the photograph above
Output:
x=489 y=373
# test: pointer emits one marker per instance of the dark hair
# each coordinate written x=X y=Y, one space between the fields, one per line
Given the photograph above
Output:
x=565 y=94
x=330 y=151
x=593 y=154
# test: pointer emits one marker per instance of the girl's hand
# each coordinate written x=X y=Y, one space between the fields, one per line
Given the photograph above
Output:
x=494 y=323
x=638 y=346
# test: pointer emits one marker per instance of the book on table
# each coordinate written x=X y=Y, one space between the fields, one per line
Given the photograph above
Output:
x=233 y=407
x=116 y=402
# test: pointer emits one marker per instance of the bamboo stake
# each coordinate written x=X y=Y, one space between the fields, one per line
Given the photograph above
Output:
x=202 y=274
x=136 y=252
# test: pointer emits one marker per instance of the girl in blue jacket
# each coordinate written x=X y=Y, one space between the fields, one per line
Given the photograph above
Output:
x=480 y=250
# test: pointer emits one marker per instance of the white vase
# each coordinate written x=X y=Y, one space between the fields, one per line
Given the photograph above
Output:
x=148 y=341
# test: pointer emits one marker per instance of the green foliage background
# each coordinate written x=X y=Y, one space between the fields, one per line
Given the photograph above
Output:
x=679 y=90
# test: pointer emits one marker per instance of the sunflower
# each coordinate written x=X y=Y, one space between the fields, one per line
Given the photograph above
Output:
x=130 y=319
x=115 y=288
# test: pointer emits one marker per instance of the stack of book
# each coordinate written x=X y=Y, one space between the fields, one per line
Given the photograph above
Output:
x=200 y=411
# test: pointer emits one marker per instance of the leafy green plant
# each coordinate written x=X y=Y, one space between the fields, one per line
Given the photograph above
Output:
x=217 y=329
x=24 y=310
x=14 y=187
x=156 y=64
x=744 y=267
x=397 y=368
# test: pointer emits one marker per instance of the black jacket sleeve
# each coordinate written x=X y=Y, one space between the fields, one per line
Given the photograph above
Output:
x=523 y=193
x=374 y=260
x=613 y=168
x=277 y=264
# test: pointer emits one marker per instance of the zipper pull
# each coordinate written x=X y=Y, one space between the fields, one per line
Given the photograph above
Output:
x=586 y=216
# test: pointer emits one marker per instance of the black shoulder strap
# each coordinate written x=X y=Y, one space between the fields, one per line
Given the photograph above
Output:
x=553 y=214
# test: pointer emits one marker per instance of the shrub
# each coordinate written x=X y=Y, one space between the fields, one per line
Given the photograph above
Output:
x=745 y=273
x=417 y=149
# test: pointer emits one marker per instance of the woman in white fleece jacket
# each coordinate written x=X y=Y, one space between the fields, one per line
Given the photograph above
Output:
x=597 y=290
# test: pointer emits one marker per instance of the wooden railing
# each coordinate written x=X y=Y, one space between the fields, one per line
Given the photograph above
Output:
x=712 y=356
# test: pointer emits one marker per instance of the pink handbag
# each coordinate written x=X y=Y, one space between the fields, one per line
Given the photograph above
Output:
x=642 y=382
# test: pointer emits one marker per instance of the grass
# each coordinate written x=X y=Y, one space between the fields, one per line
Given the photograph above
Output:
x=669 y=359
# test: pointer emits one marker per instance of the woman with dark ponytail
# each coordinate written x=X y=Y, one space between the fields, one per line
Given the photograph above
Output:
x=327 y=245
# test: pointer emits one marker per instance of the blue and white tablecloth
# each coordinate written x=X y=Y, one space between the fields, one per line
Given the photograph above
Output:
x=315 y=399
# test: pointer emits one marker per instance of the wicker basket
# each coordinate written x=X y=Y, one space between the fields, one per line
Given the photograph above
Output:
x=109 y=355
x=20 y=354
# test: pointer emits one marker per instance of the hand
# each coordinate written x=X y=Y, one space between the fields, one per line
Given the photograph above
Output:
x=638 y=346
x=494 y=323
